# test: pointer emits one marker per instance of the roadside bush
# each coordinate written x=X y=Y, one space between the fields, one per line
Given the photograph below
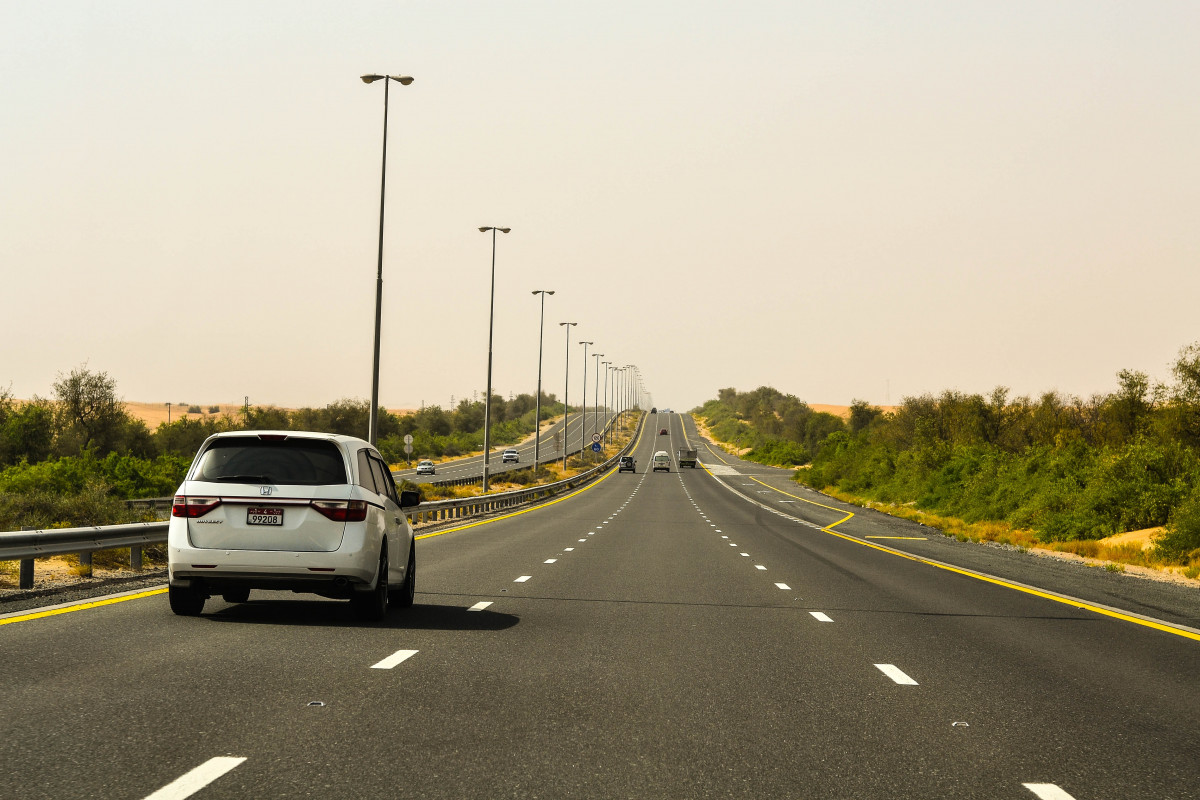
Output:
x=1180 y=542
x=94 y=504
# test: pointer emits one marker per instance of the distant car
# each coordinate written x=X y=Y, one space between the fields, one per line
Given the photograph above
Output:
x=425 y=468
x=510 y=454
x=662 y=432
x=627 y=464
x=309 y=512
x=661 y=461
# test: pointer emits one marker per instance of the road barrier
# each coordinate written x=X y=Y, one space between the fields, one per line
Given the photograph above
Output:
x=26 y=545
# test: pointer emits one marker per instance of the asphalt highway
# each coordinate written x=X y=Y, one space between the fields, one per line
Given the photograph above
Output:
x=668 y=635
x=580 y=432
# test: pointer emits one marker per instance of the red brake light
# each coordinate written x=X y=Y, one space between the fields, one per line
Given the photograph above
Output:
x=342 y=510
x=184 y=506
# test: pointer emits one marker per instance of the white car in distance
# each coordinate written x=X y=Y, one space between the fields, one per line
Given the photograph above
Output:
x=290 y=510
x=425 y=467
x=510 y=454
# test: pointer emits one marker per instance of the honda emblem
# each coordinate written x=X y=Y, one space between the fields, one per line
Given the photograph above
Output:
x=265 y=490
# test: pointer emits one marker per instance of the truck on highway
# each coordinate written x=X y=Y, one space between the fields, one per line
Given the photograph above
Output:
x=686 y=457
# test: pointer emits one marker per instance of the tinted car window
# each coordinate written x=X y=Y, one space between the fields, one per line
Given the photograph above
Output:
x=366 y=478
x=306 y=462
x=383 y=480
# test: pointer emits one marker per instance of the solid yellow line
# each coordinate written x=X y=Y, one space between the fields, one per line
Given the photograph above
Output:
x=534 y=508
x=849 y=514
x=1159 y=626
x=913 y=538
x=80 y=607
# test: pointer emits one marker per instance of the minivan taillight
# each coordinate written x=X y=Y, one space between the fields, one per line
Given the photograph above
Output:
x=342 y=510
x=184 y=506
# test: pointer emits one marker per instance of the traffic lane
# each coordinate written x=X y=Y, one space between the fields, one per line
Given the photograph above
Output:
x=663 y=682
x=1004 y=661
x=219 y=667
x=1172 y=602
x=119 y=701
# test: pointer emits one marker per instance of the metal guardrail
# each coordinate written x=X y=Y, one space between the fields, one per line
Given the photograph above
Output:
x=26 y=545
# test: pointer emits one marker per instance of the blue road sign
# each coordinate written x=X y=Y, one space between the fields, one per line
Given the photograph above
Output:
x=595 y=447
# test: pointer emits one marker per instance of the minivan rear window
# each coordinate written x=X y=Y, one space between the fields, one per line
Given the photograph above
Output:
x=302 y=462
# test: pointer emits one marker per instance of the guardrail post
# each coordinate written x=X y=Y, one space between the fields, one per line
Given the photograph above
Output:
x=135 y=558
x=85 y=563
x=26 y=576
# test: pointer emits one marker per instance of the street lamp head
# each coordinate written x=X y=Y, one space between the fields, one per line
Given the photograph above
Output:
x=403 y=80
x=567 y=323
x=543 y=291
x=587 y=343
x=487 y=228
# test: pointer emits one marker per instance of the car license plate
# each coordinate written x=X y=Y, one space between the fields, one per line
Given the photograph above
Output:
x=264 y=516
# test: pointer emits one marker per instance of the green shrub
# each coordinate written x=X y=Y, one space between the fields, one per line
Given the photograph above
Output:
x=1181 y=538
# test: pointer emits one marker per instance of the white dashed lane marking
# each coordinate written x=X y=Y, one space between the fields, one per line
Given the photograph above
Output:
x=820 y=617
x=759 y=566
x=522 y=579
x=784 y=587
x=480 y=606
x=1047 y=791
x=895 y=674
x=394 y=659
x=550 y=560
x=192 y=782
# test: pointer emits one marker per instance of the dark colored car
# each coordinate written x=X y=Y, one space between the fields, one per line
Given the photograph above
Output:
x=627 y=464
x=662 y=432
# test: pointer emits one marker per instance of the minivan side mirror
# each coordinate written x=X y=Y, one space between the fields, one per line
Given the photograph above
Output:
x=410 y=499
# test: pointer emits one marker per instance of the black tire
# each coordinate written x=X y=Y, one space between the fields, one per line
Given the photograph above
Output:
x=372 y=606
x=236 y=595
x=404 y=596
x=186 y=602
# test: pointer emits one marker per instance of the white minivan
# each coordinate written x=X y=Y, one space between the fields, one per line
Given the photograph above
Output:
x=661 y=461
x=290 y=510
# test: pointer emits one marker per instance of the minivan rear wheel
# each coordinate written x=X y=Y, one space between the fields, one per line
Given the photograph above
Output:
x=373 y=605
x=186 y=601
x=403 y=597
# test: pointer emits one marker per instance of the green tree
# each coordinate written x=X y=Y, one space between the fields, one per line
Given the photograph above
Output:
x=90 y=415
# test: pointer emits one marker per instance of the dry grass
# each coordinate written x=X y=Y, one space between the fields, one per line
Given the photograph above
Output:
x=1115 y=553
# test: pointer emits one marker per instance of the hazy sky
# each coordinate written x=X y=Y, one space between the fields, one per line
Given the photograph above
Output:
x=841 y=200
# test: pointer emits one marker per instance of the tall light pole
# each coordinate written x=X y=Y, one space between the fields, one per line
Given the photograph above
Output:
x=583 y=410
x=566 y=389
x=607 y=367
x=537 y=402
x=373 y=421
x=487 y=399
x=596 y=396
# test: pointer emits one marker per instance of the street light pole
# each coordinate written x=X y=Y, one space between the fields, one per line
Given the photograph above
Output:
x=487 y=400
x=596 y=396
x=373 y=420
x=537 y=413
x=583 y=409
x=566 y=390
x=607 y=367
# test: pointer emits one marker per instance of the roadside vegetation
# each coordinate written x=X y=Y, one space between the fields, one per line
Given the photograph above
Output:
x=1054 y=471
x=74 y=459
